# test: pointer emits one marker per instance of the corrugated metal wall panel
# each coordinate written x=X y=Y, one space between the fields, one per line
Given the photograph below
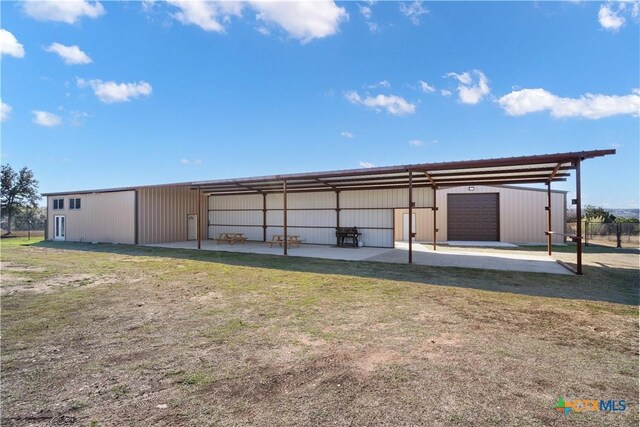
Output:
x=366 y=218
x=392 y=198
x=235 y=217
x=311 y=218
x=311 y=200
x=245 y=201
x=274 y=230
x=102 y=217
x=275 y=218
x=318 y=236
x=274 y=201
x=162 y=213
x=379 y=238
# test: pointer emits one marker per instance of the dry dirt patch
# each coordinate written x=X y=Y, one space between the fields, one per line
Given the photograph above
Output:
x=258 y=341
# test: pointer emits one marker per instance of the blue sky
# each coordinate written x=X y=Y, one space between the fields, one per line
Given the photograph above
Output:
x=106 y=94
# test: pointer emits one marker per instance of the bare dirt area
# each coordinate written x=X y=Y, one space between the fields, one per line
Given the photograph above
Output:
x=120 y=335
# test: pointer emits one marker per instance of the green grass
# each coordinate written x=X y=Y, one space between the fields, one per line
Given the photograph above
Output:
x=106 y=333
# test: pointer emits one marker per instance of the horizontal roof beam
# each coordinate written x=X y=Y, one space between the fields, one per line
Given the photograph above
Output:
x=472 y=183
x=436 y=174
x=498 y=178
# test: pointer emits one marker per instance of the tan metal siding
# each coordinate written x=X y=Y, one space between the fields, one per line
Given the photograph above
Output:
x=275 y=201
x=393 y=198
x=311 y=200
x=249 y=201
x=162 y=213
x=424 y=224
x=102 y=217
x=523 y=218
x=235 y=217
x=376 y=225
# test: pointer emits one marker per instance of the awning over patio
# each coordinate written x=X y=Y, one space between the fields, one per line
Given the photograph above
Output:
x=509 y=170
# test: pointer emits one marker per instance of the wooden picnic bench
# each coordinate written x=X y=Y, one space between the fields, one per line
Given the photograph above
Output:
x=230 y=238
x=292 y=240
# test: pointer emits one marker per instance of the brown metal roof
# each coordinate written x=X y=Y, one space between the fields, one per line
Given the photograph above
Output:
x=508 y=170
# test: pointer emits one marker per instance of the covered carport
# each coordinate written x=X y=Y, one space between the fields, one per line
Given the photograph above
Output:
x=426 y=177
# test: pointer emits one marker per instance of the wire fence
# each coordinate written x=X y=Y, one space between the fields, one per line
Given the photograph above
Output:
x=621 y=235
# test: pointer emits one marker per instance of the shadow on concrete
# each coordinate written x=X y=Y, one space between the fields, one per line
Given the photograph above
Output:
x=571 y=248
x=603 y=283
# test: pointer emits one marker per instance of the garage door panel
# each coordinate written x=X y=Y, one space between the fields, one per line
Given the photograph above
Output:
x=473 y=217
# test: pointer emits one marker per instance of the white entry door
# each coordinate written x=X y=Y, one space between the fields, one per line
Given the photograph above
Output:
x=405 y=226
x=59 y=226
x=192 y=227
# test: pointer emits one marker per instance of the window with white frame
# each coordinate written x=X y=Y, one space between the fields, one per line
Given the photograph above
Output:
x=74 y=204
x=58 y=204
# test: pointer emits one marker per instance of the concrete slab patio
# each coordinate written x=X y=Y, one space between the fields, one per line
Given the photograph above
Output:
x=422 y=255
x=455 y=257
x=305 y=250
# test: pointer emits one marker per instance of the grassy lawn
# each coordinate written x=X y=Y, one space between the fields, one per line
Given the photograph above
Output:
x=124 y=335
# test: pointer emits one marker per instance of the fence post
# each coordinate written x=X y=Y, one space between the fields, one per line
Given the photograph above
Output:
x=586 y=232
x=618 y=235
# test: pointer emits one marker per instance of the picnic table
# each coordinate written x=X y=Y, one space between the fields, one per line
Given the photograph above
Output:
x=231 y=238
x=279 y=239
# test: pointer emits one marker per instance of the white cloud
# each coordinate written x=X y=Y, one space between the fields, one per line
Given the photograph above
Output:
x=366 y=165
x=420 y=143
x=609 y=18
x=426 y=87
x=373 y=27
x=208 y=15
x=68 y=11
x=69 y=54
x=590 y=106
x=635 y=9
x=346 y=134
x=303 y=20
x=147 y=5
x=382 y=83
x=445 y=92
x=5 y=111
x=112 y=92
x=471 y=90
x=365 y=11
x=413 y=11
x=394 y=105
x=263 y=30
x=9 y=45
x=44 y=118
x=77 y=118
x=189 y=162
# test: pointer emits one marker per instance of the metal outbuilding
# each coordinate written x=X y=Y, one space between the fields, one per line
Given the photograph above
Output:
x=313 y=205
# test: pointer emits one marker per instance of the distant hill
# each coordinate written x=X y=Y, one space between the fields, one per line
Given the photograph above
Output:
x=618 y=212
x=627 y=213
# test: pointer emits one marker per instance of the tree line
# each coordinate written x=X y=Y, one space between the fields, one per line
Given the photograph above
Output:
x=592 y=213
x=19 y=197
